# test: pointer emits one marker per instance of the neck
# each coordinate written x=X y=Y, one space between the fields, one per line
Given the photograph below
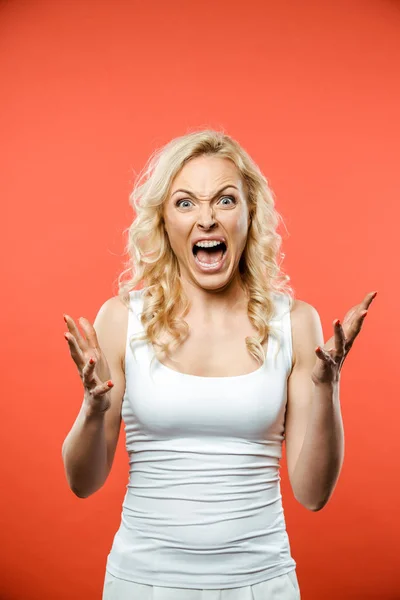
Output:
x=215 y=304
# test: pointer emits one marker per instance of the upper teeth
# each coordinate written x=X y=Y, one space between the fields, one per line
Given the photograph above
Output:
x=208 y=244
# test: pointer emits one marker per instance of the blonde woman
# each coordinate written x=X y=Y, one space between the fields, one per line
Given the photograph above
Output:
x=212 y=364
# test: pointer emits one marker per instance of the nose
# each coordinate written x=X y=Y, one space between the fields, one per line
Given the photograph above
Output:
x=207 y=225
x=206 y=219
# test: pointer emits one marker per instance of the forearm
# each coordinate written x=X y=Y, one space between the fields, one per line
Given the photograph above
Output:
x=84 y=454
x=321 y=456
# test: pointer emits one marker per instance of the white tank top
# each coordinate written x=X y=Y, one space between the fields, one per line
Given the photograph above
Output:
x=203 y=506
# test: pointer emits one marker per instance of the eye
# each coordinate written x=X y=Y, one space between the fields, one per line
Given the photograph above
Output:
x=178 y=203
x=229 y=198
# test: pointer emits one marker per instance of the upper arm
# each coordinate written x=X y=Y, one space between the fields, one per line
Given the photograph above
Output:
x=111 y=325
x=307 y=334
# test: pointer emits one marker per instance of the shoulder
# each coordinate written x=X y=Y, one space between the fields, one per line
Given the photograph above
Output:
x=301 y=309
x=306 y=329
x=114 y=310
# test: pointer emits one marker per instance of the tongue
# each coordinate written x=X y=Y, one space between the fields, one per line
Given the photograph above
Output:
x=210 y=256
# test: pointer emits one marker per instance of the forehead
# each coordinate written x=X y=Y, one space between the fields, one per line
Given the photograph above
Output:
x=206 y=174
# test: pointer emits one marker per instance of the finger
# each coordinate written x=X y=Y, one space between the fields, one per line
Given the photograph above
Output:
x=366 y=303
x=89 y=379
x=324 y=355
x=75 y=351
x=90 y=332
x=101 y=389
x=358 y=325
x=340 y=338
x=357 y=321
x=72 y=327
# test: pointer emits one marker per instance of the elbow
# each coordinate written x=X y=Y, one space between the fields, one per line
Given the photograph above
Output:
x=317 y=507
x=79 y=493
x=84 y=493
x=313 y=507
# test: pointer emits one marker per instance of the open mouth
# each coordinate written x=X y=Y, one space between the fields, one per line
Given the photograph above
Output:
x=209 y=254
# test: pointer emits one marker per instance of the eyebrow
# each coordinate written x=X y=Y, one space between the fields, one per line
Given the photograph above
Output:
x=215 y=195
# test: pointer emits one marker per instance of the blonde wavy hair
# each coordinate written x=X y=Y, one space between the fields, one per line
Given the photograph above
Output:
x=153 y=266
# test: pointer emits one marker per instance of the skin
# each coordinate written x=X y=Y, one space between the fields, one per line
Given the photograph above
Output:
x=313 y=426
x=314 y=433
x=213 y=296
x=333 y=354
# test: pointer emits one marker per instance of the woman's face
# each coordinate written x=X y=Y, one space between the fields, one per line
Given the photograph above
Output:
x=207 y=200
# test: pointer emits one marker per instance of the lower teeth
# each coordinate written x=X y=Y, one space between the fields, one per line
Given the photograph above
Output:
x=208 y=264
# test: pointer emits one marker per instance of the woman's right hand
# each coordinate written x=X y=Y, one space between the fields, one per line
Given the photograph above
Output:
x=95 y=375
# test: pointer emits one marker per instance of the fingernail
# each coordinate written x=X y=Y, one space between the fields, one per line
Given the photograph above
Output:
x=337 y=322
x=66 y=337
x=91 y=361
x=110 y=383
x=65 y=318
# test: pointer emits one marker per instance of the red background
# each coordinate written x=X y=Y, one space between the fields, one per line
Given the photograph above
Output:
x=88 y=90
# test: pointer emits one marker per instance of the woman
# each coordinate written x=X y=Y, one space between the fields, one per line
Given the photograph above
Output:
x=211 y=365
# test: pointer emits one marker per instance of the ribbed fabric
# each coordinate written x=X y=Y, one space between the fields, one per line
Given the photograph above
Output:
x=203 y=506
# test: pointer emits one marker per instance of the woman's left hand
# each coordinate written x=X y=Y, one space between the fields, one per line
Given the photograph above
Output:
x=331 y=356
